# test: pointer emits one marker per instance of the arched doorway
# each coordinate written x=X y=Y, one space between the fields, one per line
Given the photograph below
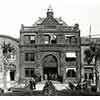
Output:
x=50 y=67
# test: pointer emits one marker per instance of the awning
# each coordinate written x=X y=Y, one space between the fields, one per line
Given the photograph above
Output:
x=71 y=54
x=70 y=69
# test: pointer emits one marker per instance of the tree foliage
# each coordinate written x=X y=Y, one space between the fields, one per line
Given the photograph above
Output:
x=7 y=49
x=92 y=52
x=88 y=56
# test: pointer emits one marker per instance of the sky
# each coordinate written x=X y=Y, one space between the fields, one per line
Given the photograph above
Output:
x=13 y=13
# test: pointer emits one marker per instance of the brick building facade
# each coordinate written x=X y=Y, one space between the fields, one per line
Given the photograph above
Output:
x=51 y=49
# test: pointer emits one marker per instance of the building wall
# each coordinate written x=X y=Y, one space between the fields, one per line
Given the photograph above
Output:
x=87 y=69
x=58 y=50
x=67 y=41
x=15 y=43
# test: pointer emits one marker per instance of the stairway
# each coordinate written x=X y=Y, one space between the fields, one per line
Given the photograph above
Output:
x=39 y=87
x=54 y=82
x=57 y=85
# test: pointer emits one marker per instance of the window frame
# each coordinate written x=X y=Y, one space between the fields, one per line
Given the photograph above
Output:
x=29 y=57
x=71 y=74
x=29 y=41
x=71 y=59
x=46 y=40
x=29 y=70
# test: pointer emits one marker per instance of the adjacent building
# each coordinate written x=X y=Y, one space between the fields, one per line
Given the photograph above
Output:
x=11 y=64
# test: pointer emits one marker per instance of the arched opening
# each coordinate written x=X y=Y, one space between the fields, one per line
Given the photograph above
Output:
x=71 y=73
x=50 y=67
x=12 y=75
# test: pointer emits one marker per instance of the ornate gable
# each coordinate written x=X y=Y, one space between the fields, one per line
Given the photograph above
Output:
x=50 y=22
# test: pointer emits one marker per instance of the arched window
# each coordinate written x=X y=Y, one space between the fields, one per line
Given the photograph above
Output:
x=71 y=73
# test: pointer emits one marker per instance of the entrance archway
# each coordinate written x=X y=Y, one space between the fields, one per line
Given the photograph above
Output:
x=50 y=67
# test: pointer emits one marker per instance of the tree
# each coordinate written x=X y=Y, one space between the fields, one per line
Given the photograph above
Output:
x=7 y=50
x=88 y=56
x=93 y=52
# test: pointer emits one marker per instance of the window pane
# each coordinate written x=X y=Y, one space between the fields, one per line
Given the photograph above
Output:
x=26 y=73
x=29 y=56
x=70 y=59
x=91 y=76
x=32 y=72
x=68 y=39
x=26 y=57
x=73 y=40
x=71 y=73
x=85 y=75
x=32 y=39
x=26 y=39
x=46 y=42
x=29 y=72
x=32 y=57
x=53 y=39
x=46 y=39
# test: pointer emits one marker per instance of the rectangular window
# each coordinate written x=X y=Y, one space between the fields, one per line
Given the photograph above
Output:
x=53 y=39
x=68 y=39
x=71 y=72
x=26 y=39
x=73 y=40
x=29 y=72
x=32 y=39
x=29 y=57
x=71 y=56
x=29 y=39
x=46 y=39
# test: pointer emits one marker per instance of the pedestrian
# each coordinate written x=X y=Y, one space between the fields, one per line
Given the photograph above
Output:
x=34 y=83
x=45 y=76
x=31 y=85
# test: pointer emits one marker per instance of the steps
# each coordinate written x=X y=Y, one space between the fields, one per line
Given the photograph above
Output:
x=44 y=81
x=40 y=85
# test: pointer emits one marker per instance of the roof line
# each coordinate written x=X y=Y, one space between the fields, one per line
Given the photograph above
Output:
x=9 y=37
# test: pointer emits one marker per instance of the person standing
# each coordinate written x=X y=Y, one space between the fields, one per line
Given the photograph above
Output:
x=31 y=85
x=34 y=83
